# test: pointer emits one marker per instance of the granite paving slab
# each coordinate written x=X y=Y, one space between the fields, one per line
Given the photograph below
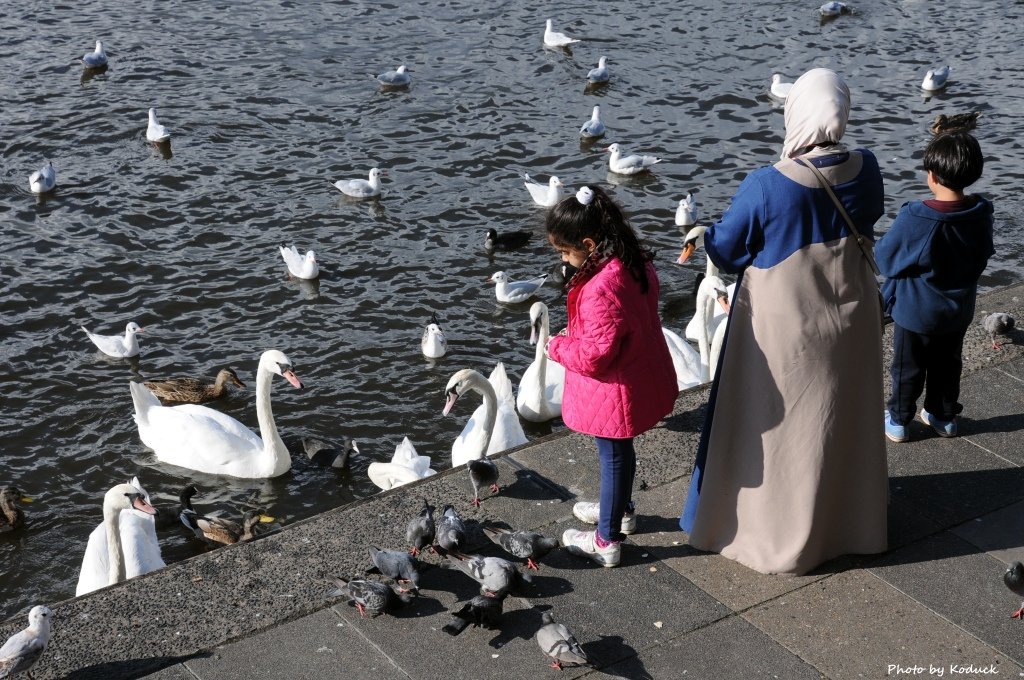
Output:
x=175 y=672
x=997 y=533
x=854 y=625
x=993 y=416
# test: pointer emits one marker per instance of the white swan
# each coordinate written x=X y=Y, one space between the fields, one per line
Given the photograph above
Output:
x=96 y=58
x=628 y=165
x=43 y=180
x=515 y=291
x=405 y=466
x=362 y=188
x=124 y=545
x=553 y=38
x=298 y=266
x=686 y=211
x=494 y=425
x=115 y=345
x=200 y=438
x=546 y=195
x=593 y=127
x=433 y=343
x=695 y=239
x=685 y=360
x=935 y=79
x=540 y=389
x=779 y=89
x=155 y=132
x=711 y=296
x=599 y=74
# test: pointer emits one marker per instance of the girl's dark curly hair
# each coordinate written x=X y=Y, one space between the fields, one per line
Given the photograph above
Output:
x=569 y=222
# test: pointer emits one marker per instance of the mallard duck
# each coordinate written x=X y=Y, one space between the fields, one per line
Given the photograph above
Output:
x=217 y=529
x=193 y=390
x=958 y=121
x=11 y=516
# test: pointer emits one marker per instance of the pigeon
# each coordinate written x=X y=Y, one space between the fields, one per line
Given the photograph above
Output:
x=433 y=343
x=421 y=530
x=630 y=165
x=833 y=9
x=451 y=532
x=528 y=545
x=43 y=180
x=482 y=473
x=323 y=454
x=22 y=650
x=515 y=291
x=299 y=266
x=557 y=642
x=954 y=123
x=935 y=79
x=398 y=565
x=481 y=611
x=779 y=89
x=155 y=132
x=998 y=323
x=371 y=597
x=686 y=211
x=553 y=38
x=496 y=575
x=362 y=188
x=599 y=74
x=593 y=128
x=509 y=240
x=398 y=78
x=116 y=346
x=1014 y=580
x=96 y=58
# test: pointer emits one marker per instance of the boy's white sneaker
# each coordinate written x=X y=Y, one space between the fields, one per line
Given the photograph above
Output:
x=591 y=514
x=584 y=544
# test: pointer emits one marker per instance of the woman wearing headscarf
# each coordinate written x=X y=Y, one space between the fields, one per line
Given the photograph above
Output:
x=791 y=467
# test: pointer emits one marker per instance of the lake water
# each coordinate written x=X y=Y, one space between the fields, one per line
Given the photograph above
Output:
x=269 y=104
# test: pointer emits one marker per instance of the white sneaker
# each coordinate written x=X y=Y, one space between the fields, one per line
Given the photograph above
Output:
x=591 y=513
x=583 y=543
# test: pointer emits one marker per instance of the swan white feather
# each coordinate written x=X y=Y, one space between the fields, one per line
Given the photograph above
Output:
x=494 y=425
x=543 y=382
x=406 y=466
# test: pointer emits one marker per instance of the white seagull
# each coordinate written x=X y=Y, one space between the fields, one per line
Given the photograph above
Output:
x=593 y=127
x=361 y=188
x=832 y=9
x=686 y=212
x=555 y=39
x=599 y=74
x=397 y=78
x=43 y=180
x=22 y=650
x=433 y=343
x=298 y=266
x=630 y=165
x=514 y=291
x=96 y=58
x=156 y=132
x=545 y=195
x=115 y=345
x=779 y=89
x=935 y=79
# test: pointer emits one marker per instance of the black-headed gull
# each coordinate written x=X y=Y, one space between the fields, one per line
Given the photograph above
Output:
x=43 y=180
x=96 y=58
x=156 y=132
x=23 y=649
x=554 y=39
x=628 y=165
x=514 y=291
x=299 y=266
x=361 y=188
x=594 y=127
x=833 y=9
x=398 y=78
x=599 y=74
x=935 y=79
x=686 y=211
x=433 y=343
x=546 y=195
x=115 y=345
x=779 y=89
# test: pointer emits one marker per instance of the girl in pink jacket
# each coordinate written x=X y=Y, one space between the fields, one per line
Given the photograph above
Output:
x=619 y=380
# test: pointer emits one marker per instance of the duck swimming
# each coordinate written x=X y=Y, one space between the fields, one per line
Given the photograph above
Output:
x=193 y=390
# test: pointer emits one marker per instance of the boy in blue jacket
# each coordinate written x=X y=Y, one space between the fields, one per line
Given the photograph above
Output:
x=932 y=257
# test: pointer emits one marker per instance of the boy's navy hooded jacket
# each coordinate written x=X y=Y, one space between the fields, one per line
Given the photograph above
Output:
x=932 y=261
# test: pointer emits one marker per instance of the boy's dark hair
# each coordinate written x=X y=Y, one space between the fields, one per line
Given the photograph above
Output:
x=569 y=222
x=955 y=159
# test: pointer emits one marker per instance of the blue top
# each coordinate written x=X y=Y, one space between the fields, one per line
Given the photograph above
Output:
x=932 y=261
x=795 y=215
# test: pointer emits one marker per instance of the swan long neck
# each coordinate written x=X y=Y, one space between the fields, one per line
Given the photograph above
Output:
x=481 y=385
x=540 y=357
x=273 y=447
x=115 y=554
x=707 y=313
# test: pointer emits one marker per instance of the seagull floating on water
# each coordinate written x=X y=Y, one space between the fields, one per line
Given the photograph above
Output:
x=593 y=127
x=779 y=89
x=599 y=74
x=43 y=180
x=115 y=345
x=833 y=9
x=686 y=212
x=301 y=267
x=554 y=39
x=156 y=132
x=361 y=188
x=546 y=196
x=97 y=58
x=398 y=78
x=515 y=291
x=433 y=343
x=935 y=79
x=628 y=165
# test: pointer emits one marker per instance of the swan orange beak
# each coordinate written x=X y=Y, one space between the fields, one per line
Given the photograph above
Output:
x=449 y=401
x=688 y=249
x=290 y=376
x=140 y=504
x=723 y=300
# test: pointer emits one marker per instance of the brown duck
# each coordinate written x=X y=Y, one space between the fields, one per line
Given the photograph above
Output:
x=217 y=529
x=11 y=516
x=956 y=122
x=193 y=390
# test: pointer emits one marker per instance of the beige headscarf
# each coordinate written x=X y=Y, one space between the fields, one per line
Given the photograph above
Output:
x=817 y=109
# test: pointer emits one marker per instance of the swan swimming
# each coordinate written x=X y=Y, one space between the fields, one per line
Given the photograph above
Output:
x=628 y=165
x=301 y=267
x=43 y=180
x=124 y=545
x=200 y=438
x=406 y=466
x=116 y=346
x=494 y=425
x=540 y=389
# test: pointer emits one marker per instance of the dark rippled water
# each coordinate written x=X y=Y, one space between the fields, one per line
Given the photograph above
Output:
x=270 y=104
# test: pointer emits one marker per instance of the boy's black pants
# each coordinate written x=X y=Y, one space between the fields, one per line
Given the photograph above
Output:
x=925 y=363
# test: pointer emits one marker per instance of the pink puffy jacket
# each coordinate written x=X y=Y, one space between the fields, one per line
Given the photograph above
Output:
x=619 y=380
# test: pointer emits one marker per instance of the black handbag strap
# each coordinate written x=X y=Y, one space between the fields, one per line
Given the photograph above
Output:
x=842 y=211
